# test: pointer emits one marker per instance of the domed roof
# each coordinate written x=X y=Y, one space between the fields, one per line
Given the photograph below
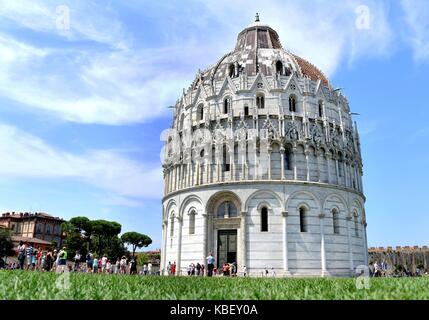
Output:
x=258 y=49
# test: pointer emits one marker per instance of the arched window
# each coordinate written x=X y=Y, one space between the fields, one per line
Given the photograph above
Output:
x=279 y=67
x=246 y=110
x=320 y=109
x=172 y=226
x=192 y=222
x=264 y=219
x=226 y=105
x=200 y=112
x=225 y=158
x=287 y=160
x=260 y=101
x=226 y=209
x=356 y=225
x=336 y=221
x=303 y=219
x=292 y=103
x=231 y=70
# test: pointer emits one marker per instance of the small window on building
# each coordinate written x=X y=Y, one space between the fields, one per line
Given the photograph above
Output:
x=231 y=70
x=192 y=222
x=292 y=103
x=336 y=221
x=226 y=105
x=200 y=112
x=287 y=160
x=225 y=159
x=172 y=226
x=356 y=225
x=279 y=67
x=264 y=219
x=246 y=110
x=303 y=219
x=260 y=101
x=320 y=109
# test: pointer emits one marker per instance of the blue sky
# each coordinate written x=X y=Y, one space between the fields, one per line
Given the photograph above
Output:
x=83 y=104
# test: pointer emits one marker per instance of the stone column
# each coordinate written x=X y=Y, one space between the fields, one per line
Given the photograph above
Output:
x=243 y=239
x=163 y=246
x=307 y=165
x=179 y=247
x=282 y=163
x=295 y=168
x=205 y=239
x=285 y=245
x=197 y=173
x=346 y=175
x=269 y=164
x=349 y=240
x=319 y=172
x=328 y=162
x=231 y=165
x=322 y=245
x=337 y=171
x=365 y=245
x=208 y=169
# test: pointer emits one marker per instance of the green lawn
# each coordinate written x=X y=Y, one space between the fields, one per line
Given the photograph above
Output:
x=36 y=285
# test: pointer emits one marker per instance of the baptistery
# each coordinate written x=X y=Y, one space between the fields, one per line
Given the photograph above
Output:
x=262 y=167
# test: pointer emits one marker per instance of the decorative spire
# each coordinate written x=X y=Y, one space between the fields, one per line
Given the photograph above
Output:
x=257 y=17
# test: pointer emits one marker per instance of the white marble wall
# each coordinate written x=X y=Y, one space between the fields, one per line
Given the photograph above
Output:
x=338 y=255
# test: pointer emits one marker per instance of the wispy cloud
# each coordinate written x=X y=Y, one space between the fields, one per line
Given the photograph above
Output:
x=128 y=181
x=417 y=18
x=83 y=18
x=127 y=81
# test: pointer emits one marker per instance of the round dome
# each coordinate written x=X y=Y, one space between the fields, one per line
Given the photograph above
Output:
x=258 y=50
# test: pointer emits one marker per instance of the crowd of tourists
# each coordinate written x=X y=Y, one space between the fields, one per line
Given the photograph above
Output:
x=37 y=259
x=382 y=270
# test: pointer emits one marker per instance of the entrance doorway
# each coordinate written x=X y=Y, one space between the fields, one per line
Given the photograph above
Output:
x=226 y=247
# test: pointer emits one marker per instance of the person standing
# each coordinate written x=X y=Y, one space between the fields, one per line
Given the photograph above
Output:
x=39 y=259
x=244 y=271
x=76 y=259
x=123 y=264
x=210 y=264
x=55 y=260
x=169 y=267
x=173 y=268
x=133 y=266
x=21 y=250
x=89 y=261
x=49 y=260
x=103 y=263
x=117 y=265
x=149 y=268
x=29 y=253
x=95 y=265
x=198 y=267
x=62 y=260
